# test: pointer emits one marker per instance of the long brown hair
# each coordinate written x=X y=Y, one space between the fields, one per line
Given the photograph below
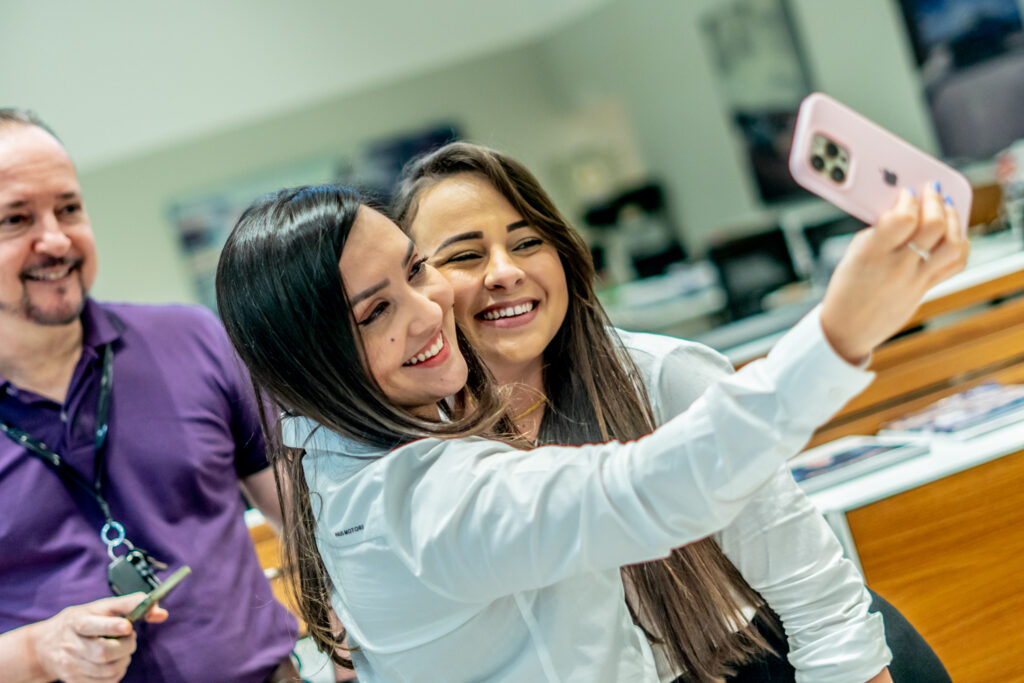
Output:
x=284 y=305
x=690 y=601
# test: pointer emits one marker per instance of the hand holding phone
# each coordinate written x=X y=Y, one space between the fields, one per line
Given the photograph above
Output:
x=860 y=167
x=157 y=593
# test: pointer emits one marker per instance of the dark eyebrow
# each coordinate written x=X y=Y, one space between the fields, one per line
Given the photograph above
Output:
x=68 y=195
x=475 y=235
x=518 y=224
x=370 y=291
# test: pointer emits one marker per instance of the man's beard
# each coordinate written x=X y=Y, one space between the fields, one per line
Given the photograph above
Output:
x=63 y=314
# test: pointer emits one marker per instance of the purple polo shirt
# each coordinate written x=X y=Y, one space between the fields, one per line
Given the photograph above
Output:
x=183 y=430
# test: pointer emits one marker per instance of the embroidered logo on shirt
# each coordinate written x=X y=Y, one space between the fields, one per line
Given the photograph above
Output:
x=350 y=530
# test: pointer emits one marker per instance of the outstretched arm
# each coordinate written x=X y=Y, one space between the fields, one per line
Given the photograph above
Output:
x=475 y=521
x=779 y=542
x=464 y=515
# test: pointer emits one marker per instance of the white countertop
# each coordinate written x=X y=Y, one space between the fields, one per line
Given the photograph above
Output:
x=990 y=258
x=945 y=457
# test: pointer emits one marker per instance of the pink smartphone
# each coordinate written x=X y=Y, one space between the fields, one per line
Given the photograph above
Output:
x=859 y=166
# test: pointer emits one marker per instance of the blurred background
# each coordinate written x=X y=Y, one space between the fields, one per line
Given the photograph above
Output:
x=662 y=128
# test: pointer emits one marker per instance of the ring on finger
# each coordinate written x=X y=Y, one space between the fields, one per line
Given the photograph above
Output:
x=923 y=253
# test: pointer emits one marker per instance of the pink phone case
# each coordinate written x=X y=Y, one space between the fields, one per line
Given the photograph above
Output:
x=875 y=164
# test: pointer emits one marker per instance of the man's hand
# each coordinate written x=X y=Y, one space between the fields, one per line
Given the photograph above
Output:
x=91 y=642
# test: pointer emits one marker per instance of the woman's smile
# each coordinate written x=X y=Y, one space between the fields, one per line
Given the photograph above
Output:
x=436 y=353
x=510 y=291
x=509 y=314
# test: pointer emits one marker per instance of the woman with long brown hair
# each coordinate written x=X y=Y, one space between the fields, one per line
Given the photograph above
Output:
x=467 y=557
x=524 y=296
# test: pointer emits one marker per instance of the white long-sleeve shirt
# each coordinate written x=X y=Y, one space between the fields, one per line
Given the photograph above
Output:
x=460 y=560
x=779 y=542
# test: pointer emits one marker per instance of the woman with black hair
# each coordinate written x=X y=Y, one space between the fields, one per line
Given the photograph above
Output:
x=470 y=557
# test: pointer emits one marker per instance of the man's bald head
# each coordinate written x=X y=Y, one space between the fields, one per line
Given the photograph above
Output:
x=18 y=116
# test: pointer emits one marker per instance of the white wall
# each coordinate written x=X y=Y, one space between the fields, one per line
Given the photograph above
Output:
x=648 y=56
x=652 y=54
x=498 y=100
x=861 y=55
x=119 y=77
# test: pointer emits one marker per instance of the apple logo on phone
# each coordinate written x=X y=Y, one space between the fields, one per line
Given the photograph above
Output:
x=889 y=177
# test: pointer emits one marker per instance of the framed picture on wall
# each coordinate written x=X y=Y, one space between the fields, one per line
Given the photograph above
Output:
x=204 y=220
x=762 y=77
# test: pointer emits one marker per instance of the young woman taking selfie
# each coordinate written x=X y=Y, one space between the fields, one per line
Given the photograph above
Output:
x=413 y=509
x=524 y=297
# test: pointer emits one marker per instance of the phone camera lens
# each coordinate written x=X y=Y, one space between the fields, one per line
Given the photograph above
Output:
x=817 y=162
x=838 y=175
x=831 y=150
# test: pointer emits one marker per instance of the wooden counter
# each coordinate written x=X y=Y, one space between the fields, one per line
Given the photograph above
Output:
x=941 y=536
x=950 y=555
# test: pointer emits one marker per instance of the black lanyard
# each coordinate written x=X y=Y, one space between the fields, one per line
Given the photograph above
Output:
x=132 y=571
x=59 y=465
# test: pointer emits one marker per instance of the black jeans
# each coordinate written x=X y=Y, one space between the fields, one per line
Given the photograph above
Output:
x=913 y=660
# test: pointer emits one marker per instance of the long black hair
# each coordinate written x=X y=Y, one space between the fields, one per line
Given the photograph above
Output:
x=690 y=601
x=281 y=297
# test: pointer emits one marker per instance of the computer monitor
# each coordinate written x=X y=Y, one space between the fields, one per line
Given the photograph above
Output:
x=816 y=234
x=970 y=30
x=971 y=54
x=750 y=267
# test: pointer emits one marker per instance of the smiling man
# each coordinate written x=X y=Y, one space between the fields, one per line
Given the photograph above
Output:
x=126 y=433
x=45 y=280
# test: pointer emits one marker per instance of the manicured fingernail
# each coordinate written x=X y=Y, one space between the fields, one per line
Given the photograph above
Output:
x=949 y=200
x=910 y=191
x=937 y=187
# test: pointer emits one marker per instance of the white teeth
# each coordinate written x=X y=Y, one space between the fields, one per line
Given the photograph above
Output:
x=434 y=349
x=508 y=312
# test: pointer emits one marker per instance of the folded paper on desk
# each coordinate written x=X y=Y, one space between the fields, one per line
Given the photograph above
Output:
x=850 y=457
x=965 y=415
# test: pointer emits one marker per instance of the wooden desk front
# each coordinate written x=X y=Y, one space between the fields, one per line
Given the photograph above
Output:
x=950 y=555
